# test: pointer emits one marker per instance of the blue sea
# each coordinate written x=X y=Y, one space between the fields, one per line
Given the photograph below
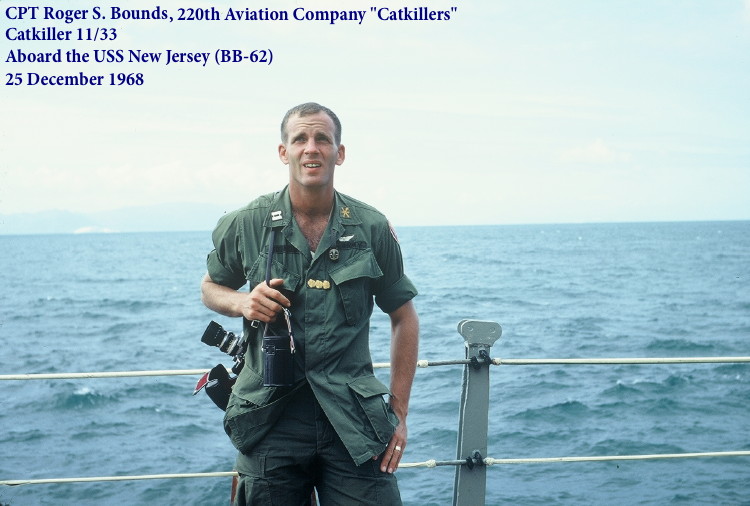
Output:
x=116 y=302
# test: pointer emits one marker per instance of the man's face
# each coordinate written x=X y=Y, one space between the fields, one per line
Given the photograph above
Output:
x=311 y=151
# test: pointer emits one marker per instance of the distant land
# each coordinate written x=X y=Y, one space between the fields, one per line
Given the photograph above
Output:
x=173 y=217
x=176 y=217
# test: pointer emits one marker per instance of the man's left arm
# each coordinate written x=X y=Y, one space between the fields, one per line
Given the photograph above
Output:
x=404 y=356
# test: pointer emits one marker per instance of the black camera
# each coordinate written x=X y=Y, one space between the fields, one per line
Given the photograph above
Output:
x=217 y=382
x=228 y=342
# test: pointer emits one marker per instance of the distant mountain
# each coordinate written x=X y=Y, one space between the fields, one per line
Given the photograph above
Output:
x=162 y=217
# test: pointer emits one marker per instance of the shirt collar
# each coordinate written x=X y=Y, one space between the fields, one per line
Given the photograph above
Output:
x=344 y=210
x=280 y=211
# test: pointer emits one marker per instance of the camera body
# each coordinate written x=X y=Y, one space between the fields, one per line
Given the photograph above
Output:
x=228 y=342
x=217 y=382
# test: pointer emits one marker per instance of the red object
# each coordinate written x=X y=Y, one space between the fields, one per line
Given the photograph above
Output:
x=201 y=383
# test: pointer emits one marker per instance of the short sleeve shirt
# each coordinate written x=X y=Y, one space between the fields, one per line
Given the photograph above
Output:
x=332 y=291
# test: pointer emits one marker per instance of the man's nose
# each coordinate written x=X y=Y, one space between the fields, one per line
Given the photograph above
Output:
x=311 y=146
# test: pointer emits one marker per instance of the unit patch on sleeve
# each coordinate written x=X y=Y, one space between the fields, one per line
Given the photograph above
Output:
x=393 y=232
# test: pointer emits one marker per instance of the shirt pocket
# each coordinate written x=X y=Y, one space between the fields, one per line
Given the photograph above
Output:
x=380 y=421
x=257 y=274
x=352 y=280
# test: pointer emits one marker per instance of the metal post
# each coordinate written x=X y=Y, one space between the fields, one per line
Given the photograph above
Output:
x=471 y=478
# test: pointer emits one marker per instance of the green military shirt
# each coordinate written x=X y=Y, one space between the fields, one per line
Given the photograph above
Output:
x=358 y=262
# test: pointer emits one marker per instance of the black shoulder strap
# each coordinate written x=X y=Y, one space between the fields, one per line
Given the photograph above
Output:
x=271 y=241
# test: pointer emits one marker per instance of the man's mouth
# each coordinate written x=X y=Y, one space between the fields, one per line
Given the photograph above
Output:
x=311 y=165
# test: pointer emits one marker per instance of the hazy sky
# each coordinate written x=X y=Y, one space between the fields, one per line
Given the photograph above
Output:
x=510 y=112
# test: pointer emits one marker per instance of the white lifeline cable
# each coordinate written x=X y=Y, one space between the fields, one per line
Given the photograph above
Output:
x=428 y=464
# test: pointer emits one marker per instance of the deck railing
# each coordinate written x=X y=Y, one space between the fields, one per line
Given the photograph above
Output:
x=471 y=460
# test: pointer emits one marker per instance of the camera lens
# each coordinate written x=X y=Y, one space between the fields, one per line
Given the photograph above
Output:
x=215 y=335
x=229 y=343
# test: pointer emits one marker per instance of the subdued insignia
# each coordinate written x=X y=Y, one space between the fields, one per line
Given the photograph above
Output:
x=333 y=254
x=276 y=215
x=345 y=213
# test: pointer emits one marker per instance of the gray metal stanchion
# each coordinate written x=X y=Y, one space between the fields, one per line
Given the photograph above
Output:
x=471 y=478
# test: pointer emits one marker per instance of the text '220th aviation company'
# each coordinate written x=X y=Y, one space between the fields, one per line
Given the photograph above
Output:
x=213 y=14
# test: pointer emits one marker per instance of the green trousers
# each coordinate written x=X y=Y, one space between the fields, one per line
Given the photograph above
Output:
x=303 y=452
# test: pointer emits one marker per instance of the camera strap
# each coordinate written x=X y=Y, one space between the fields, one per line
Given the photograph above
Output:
x=287 y=314
x=271 y=242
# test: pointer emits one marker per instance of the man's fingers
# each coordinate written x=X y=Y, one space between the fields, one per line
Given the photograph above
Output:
x=392 y=457
x=265 y=301
x=274 y=295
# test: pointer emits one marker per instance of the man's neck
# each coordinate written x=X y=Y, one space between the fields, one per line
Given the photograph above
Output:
x=316 y=203
x=312 y=210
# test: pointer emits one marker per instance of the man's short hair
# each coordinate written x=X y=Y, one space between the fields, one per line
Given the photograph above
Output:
x=308 y=109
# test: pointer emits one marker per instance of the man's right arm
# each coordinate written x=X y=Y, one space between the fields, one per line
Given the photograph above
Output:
x=262 y=303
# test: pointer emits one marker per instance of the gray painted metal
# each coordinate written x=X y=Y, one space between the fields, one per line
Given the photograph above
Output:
x=470 y=482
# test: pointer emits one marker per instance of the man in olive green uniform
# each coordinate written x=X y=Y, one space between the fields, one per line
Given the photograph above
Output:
x=333 y=257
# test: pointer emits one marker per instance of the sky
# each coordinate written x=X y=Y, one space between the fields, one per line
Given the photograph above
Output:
x=510 y=112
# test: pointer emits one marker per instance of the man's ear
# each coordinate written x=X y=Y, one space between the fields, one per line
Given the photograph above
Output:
x=341 y=155
x=282 y=154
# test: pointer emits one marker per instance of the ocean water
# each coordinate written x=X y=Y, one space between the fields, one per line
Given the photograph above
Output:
x=79 y=303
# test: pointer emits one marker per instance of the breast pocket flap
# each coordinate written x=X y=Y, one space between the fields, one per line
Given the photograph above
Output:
x=361 y=265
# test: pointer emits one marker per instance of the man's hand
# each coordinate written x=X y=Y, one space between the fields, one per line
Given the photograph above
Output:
x=263 y=303
x=404 y=348
x=395 y=449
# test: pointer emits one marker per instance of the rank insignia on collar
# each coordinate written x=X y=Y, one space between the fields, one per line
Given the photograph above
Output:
x=345 y=213
x=275 y=215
